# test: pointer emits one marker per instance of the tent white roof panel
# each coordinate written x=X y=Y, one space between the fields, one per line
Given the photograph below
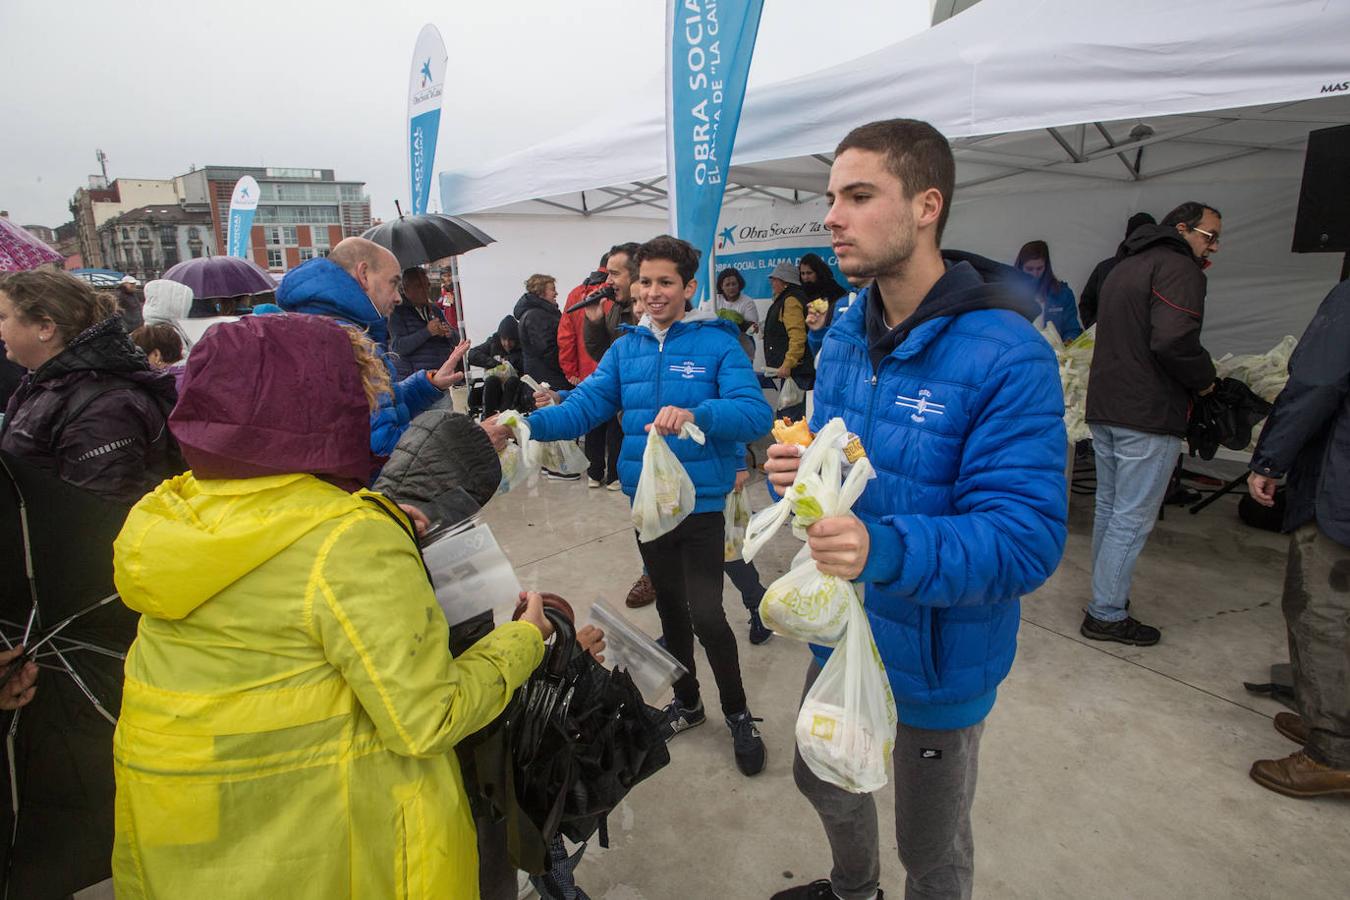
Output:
x=1055 y=86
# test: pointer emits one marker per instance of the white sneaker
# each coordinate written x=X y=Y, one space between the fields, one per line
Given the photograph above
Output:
x=592 y=483
x=615 y=485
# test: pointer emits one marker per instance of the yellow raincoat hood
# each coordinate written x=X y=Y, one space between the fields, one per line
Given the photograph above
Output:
x=189 y=540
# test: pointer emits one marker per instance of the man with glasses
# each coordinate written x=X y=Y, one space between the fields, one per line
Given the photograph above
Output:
x=1147 y=366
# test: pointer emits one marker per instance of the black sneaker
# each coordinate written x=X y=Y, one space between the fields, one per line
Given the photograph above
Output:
x=561 y=476
x=745 y=739
x=759 y=633
x=816 y=890
x=675 y=718
x=1127 y=631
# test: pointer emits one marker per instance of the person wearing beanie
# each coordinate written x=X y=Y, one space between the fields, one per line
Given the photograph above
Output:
x=501 y=392
x=1087 y=304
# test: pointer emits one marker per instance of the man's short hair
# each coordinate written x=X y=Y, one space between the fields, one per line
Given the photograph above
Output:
x=630 y=250
x=537 y=284
x=351 y=252
x=915 y=152
x=1189 y=214
x=681 y=253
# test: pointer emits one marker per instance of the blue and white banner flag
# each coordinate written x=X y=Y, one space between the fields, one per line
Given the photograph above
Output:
x=243 y=204
x=425 y=87
x=708 y=49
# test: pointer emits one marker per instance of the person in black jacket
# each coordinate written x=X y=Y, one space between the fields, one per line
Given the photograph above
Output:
x=1087 y=304
x=538 y=314
x=504 y=346
x=818 y=282
x=785 y=334
x=1147 y=365
x=1307 y=438
x=418 y=333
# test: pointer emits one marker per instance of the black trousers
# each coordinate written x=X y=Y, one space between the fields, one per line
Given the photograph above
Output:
x=602 y=449
x=499 y=395
x=745 y=577
x=686 y=569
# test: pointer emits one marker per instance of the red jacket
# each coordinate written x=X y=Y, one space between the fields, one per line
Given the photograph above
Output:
x=572 y=356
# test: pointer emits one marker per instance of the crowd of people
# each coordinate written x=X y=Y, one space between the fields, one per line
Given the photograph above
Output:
x=264 y=566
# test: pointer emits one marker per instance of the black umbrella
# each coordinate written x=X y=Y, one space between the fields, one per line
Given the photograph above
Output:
x=417 y=240
x=56 y=830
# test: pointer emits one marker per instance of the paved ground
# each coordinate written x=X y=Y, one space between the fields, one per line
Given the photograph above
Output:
x=1106 y=771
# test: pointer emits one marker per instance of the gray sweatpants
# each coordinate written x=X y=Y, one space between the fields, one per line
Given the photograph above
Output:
x=934 y=789
x=1317 y=613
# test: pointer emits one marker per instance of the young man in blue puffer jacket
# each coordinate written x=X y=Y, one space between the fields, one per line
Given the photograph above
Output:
x=957 y=401
x=662 y=376
x=358 y=283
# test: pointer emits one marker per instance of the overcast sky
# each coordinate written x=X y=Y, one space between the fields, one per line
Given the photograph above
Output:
x=160 y=86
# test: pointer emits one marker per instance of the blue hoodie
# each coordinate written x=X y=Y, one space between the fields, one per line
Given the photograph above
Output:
x=321 y=287
x=961 y=413
x=702 y=368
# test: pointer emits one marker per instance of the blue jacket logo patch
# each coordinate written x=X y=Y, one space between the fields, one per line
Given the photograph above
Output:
x=687 y=369
x=921 y=405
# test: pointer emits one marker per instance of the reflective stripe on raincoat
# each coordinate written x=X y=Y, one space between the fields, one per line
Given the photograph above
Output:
x=291 y=706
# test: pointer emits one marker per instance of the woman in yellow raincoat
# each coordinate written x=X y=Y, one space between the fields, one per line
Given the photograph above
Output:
x=291 y=705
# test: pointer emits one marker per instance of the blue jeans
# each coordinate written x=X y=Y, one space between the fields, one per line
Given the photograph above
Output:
x=1133 y=468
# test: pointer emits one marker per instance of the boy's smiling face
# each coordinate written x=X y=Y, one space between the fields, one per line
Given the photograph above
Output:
x=663 y=292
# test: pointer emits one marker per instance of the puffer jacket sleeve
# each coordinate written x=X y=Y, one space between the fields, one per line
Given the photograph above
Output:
x=739 y=412
x=369 y=604
x=594 y=401
x=485 y=354
x=417 y=393
x=104 y=449
x=1011 y=499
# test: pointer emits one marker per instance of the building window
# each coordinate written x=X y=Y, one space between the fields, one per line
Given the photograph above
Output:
x=194 y=233
x=320 y=233
x=351 y=192
x=275 y=260
x=306 y=253
x=143 y=234
x=196 y=250
x=272 y=235
x=291 y=192
x=288 y=236
x=321 y=251
x=126 y=234
x=147 y=257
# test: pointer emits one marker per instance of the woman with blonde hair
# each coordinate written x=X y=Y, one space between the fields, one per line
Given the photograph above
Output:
x=291 y=704
x=90 y=410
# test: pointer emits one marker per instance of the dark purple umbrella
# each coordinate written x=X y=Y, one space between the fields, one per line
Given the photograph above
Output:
x=220 y=277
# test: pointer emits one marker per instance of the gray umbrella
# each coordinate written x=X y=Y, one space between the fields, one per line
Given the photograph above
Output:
x=417 y=240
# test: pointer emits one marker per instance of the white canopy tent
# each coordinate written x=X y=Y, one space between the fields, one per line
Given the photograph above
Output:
x=1066 y=116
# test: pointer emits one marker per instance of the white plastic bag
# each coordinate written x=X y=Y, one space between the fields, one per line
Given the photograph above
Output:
x=737 y=515
x=807 y=604
x=562 y=456
x=665 y=494
x=520 y=459
x=826 y=450
x=790 y=394
x=846 y=725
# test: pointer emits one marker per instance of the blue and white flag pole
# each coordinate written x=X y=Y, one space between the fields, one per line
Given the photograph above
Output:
x=708 y=49
x=425 y=87
x=243 y=204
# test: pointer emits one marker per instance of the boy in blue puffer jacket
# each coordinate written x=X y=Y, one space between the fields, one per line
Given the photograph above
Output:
x=957 y=401
x=358 y=283
x=662 y=376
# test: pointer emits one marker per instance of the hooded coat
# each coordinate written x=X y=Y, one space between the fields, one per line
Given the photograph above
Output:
x=323 y=288
x=290 y=701
x=1148 y=358
x=960 y=411
x=94 y=415
x=539 y=320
